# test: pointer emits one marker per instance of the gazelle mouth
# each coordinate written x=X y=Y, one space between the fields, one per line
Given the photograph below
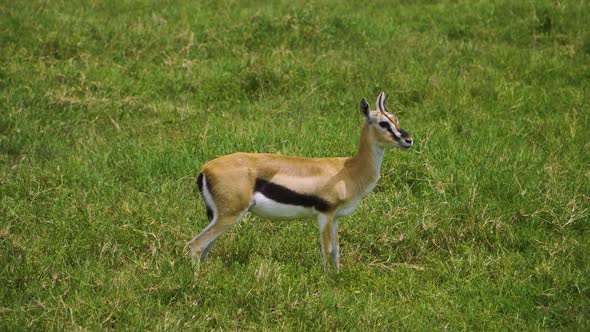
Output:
x=407 y=143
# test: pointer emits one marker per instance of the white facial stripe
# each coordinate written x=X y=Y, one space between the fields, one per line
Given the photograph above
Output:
x=395 y=132
x=392 y=127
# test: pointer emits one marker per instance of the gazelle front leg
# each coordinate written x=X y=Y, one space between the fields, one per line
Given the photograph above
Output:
x=335 y=254
x=325 y=222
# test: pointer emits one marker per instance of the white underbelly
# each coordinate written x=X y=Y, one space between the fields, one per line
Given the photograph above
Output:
x=346 y=209
x=267 y=208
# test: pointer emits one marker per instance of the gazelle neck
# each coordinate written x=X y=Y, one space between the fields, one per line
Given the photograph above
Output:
x=365 y=165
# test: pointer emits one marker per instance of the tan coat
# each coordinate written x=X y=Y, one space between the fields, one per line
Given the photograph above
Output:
x=277 y=186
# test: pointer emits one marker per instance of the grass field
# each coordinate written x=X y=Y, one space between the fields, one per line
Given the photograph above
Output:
x=109 y=108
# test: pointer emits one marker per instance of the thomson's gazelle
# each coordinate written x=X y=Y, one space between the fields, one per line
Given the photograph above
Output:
x=283 y=187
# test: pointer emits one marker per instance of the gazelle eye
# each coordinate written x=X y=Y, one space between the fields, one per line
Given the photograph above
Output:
x=384 y=124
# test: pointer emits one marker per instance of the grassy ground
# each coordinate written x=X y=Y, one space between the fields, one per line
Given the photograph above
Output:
x=109 y=108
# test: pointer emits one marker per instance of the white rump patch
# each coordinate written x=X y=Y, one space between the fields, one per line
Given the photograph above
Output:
x=209 y=198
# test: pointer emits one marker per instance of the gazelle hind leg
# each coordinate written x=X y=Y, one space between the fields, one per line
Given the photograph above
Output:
x=235 y=204
x=208 y=247
x=202 y=243
x=325 y=225
x=192 y=242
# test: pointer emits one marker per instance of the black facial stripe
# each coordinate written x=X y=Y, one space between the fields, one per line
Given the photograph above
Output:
x=404 y=133
x=285 y=195
x=387 y=126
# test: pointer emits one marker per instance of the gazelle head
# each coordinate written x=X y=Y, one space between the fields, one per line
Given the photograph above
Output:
x=384 y=126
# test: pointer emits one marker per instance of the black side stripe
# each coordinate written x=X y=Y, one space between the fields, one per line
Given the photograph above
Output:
x=285 y=195
x=200 y=186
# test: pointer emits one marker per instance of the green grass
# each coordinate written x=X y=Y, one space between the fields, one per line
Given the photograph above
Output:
x=108 y=109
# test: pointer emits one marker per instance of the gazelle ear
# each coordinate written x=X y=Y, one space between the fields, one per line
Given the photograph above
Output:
x=365 y=111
